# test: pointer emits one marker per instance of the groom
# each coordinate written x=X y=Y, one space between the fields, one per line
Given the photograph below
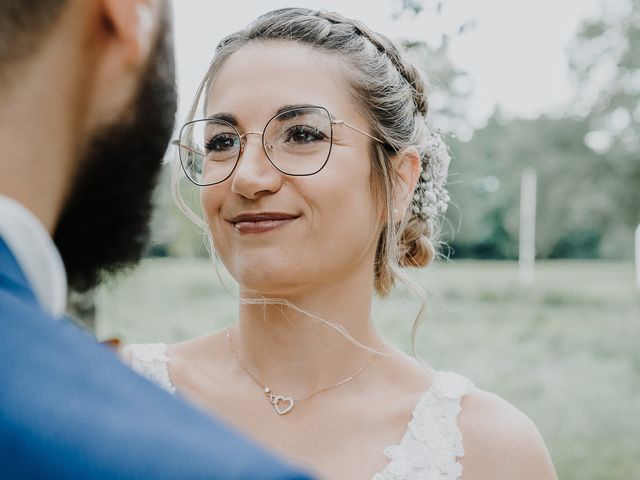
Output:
x=86 y=110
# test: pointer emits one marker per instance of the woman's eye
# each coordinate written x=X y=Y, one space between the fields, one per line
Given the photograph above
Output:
x=220 y=143
x=304 y=134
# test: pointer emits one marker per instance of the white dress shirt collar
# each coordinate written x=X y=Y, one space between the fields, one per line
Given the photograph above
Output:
x=36 y=254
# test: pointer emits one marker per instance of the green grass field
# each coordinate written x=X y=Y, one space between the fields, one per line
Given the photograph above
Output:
x=565 y=351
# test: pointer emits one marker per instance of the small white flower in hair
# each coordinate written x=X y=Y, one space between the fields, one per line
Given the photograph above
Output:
x=430 y=199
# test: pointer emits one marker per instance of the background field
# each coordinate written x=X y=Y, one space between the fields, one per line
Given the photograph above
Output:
x=565 y=351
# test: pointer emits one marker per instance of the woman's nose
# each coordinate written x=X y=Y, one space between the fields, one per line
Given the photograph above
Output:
x=254 y=174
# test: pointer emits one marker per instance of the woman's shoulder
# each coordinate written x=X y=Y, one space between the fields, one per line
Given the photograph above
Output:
x=162 y=363
x=174 y=352
x=500 y=441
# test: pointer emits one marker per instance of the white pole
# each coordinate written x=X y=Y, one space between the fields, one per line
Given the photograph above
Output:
x=638 y=256
x=527 y=249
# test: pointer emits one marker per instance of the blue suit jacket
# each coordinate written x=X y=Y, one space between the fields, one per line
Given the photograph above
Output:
x=69 y=409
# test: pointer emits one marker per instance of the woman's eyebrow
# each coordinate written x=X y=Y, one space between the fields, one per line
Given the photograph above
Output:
x=293 y=107
x=230 y=118
x=225 y=117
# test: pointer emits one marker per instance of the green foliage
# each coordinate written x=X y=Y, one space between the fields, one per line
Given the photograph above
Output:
x=609 y=47
x=413 y=6
x=576 y=206
x=588 y=197
x=449 y=87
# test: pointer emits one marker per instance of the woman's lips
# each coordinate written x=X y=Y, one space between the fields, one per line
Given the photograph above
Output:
x=248 y=223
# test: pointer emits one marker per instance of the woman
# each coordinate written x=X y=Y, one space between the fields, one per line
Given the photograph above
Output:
x=319 y=180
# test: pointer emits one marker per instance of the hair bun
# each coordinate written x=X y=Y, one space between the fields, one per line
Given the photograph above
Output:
x=415 y=246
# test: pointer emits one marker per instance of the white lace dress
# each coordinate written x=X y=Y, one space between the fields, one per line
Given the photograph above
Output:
x=430 y=447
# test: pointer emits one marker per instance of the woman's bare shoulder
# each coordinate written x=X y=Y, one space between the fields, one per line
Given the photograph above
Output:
x=175 y=352
x=197 y=347
x=500 y=441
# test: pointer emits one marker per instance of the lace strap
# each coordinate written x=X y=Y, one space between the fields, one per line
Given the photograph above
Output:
x=151 y=361
x=432 y=444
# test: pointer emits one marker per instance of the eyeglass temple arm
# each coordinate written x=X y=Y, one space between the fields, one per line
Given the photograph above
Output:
x=342 y=122
x=186 y=147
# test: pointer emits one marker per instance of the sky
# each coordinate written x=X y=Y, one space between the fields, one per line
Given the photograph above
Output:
x=515 y=51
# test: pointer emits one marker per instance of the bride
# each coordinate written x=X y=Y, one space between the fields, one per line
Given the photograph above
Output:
x=319 y=181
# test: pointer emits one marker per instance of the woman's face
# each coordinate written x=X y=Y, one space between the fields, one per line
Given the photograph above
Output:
x=280 y=234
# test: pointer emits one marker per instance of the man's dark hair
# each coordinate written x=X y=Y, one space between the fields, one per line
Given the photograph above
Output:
x=24 y=24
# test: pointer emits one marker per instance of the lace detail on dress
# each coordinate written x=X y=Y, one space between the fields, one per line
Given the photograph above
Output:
x=430 y=447
x=151 y=361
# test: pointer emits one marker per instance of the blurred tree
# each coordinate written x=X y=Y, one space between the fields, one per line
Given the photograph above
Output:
x=588 y=161
x=485 y=187
x=605 y=61
x=450 y=88
x=413 y=6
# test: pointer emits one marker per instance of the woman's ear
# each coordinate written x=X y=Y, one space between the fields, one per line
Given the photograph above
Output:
x=407 y=167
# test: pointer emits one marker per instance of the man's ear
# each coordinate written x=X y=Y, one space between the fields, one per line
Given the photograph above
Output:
x=407 y=167
x=133 y=24
x=123 y=34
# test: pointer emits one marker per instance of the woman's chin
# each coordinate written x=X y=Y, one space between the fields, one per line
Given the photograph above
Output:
x=269 y=280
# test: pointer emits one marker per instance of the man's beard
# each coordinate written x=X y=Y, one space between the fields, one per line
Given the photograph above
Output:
x=104 y=225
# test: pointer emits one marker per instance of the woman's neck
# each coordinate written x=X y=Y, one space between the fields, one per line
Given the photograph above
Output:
x=287 y=349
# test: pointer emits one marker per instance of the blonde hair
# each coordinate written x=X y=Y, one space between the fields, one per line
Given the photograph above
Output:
x=392 y=94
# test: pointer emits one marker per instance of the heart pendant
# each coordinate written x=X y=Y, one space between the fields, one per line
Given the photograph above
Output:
x=282 y=405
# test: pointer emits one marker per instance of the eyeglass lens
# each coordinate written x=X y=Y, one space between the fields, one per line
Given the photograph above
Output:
x=296 y=141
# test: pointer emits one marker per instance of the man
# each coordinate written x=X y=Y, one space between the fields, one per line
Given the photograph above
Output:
x=86 y=111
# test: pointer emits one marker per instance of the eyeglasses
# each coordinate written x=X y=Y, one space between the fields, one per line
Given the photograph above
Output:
x=297 y=142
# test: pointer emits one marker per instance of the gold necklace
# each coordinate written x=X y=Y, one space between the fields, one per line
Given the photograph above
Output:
x=284 y=404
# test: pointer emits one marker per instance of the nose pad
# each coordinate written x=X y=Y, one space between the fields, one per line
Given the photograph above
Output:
x=256 y=175
x=243 y=144
x=244 y=147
